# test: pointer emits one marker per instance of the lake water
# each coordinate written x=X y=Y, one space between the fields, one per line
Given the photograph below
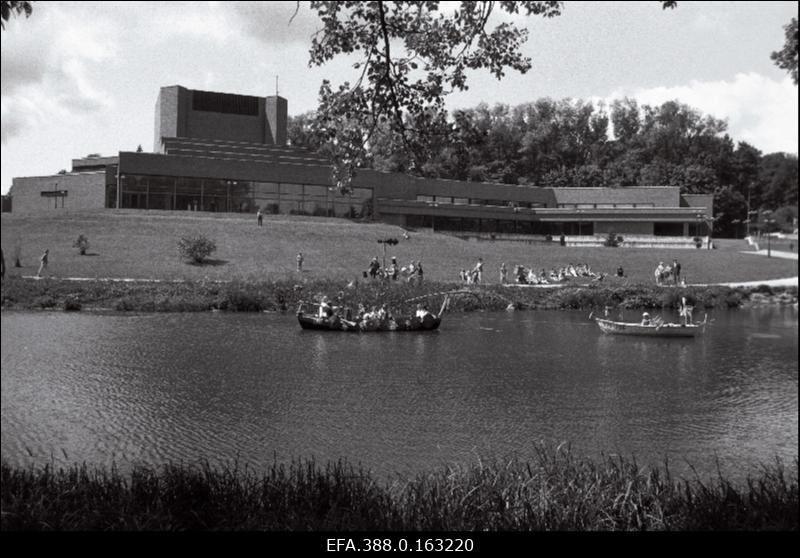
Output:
x=158 y=388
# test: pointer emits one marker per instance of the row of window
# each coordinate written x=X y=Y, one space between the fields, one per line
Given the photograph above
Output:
x=465 y=224
x=194 y=194
x=477 y=201
x=604 y=205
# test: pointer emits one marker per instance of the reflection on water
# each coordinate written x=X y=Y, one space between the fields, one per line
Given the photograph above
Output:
x=184 y=387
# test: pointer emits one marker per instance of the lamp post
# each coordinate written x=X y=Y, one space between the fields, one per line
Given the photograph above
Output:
x=768 y=222
x=392 y=241
x=434 y=205
x=709 y=221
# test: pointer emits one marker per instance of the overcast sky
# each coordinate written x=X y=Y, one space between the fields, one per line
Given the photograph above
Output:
x=83 y=77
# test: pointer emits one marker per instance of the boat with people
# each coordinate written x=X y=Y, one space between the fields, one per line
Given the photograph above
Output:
x=660 y=329
x=325 y=320
x=654 y=327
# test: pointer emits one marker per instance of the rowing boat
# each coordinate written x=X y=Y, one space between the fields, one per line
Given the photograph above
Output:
x=654 y=330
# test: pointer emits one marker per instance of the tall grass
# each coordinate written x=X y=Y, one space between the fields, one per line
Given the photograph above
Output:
x=554 y=491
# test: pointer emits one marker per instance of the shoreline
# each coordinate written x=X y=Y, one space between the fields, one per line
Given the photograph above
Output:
x=286 y=295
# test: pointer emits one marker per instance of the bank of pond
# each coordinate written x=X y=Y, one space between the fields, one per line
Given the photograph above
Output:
x=556 y=490
x=283 y=296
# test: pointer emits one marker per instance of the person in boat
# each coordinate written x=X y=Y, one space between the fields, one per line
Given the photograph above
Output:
x=646 y=321
x=325 y=308
x=422 y=311
x=686 y=312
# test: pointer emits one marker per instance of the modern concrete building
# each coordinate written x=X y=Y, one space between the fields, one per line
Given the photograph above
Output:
x=228 y=153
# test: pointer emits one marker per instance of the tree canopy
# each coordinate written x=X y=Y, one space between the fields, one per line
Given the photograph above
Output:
x=571 y=143
x=9 y=8
x=786 y=58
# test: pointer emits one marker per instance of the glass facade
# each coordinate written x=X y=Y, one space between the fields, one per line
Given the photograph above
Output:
x=236 y=196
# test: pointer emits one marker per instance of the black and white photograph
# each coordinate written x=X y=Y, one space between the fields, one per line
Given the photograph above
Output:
x=400 y=276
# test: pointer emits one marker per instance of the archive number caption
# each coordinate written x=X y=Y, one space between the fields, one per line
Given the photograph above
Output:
x=399 y=545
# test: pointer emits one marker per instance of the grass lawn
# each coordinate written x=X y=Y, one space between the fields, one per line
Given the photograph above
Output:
x=143 y=245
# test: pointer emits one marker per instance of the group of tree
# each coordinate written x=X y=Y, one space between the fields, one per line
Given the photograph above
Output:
x=575 y=143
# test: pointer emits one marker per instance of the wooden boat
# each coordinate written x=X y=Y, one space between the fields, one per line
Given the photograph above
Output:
x=309 y=321
x=428 y=323
x=654 y=330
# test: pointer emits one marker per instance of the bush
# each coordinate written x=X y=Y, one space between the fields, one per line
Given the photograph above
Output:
x=612 y=240
x=82 y=244
x=72 y=304
x=196 y=248
x=272 y=209
x=698 y=242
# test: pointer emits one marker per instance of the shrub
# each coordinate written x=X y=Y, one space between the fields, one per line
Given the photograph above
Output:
x=82 y=244
x=72 y=304
x=320 y=211
x=44 y=301
x=612 y=240
x=272 y=208
x=698 y=242
x=196 y=248
x=366 y=209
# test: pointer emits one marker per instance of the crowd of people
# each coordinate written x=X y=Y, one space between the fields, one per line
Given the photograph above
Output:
x=529 y=275
x=413 y=272
x=666 y=274
x=376 y=316
x=472 y=276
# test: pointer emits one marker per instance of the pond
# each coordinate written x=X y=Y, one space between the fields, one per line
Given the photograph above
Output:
x=158 y=388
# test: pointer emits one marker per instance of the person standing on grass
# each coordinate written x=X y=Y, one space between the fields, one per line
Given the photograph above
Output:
x=503 y=273
x=260 y=217
x=478 y=272
x=659 y=273
x=676 y=271
x=43 y=264
x=299 y=261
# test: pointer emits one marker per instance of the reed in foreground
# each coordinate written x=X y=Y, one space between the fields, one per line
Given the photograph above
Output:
x=554 y=491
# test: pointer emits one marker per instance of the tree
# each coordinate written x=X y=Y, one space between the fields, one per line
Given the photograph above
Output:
x=7 y=9
x=411 y=56
x=786 y=58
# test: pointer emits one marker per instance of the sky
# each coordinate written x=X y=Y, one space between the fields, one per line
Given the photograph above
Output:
x=83 y=77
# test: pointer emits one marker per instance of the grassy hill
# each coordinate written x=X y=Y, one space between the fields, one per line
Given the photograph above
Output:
x=143 y=245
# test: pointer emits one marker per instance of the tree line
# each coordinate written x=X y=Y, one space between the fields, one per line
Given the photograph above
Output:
x=576 y=143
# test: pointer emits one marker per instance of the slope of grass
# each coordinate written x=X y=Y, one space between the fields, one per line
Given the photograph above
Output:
x=143 y=245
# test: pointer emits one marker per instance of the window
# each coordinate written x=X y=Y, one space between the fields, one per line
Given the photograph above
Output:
x=224 y=102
